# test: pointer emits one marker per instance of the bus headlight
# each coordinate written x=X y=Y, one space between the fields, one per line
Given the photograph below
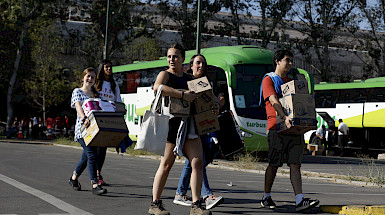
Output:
x=246 y=134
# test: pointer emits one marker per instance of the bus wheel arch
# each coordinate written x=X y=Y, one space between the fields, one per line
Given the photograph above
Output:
x=313 y=138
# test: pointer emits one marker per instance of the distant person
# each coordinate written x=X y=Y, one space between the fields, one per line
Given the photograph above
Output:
x=198 y=68
x=321 y=137
x=67 y=125
x=35 y=128
x=58 y=123
x=88 y=159
x=25 y=126
x=108 y=90
x=42 y=128
x=343 y=137
x=282 y=148
x=50 y=122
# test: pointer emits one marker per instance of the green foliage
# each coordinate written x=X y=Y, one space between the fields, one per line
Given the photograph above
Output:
x=372 y=43
x=126 y=22
x=321 y=21
x=46 y=87
x=240 y=9
x=273 y=13
x=142 y=49
x=184 y=14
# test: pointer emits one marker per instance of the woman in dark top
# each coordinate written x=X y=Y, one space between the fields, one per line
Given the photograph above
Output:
x=174 y=78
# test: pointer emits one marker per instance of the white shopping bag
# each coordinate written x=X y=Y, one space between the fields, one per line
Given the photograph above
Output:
x=153 y=132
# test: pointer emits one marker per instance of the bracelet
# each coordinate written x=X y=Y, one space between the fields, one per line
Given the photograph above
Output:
x=182 y=94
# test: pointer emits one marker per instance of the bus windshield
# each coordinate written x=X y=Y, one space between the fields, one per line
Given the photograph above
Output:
x=246 y=92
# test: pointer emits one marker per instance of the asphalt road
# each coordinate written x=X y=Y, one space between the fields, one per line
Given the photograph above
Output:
x=34 y=180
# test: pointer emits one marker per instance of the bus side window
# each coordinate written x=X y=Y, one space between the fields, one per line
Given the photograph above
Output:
x=326 y=98
x=132 y=81
x=377 y=95
x=216 y=76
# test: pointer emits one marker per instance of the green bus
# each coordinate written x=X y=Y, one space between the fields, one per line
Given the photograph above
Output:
x=236 y=71
x=360 y=104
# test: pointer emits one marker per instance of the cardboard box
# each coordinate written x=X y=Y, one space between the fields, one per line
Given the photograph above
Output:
x=301 y=108
x=205 y=100
x=206 y=122
x=312 y=147
x=179 y=106
x=120 y=107
x=199 y=85
x=299 y=86
x=106 y=129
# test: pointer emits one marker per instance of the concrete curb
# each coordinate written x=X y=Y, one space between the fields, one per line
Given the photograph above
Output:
x=28 y=141
x=354 y=209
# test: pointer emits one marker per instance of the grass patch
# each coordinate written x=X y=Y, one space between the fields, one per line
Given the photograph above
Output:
x=66 y=141
x=248 y=160
x=372 y=173
x=130 y=150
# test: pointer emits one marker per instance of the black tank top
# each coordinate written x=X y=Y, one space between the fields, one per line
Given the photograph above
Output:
x=178 y=82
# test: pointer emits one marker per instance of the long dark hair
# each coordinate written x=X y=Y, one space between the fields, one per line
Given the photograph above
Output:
x=87 y=70
x=100 y=77
x=192 y=62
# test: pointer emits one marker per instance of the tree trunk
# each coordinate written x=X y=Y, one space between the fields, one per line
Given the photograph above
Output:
x=382 y=71
x=325 y=41
x=14 y=73
x=264 y=30
x=235 y=21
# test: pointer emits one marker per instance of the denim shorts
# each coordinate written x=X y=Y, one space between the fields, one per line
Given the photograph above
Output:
x=284 y=148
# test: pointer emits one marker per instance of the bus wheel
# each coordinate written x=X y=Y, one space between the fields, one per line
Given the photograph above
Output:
x=313 y=139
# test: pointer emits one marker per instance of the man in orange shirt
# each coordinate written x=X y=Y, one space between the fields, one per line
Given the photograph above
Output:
x=282 y=148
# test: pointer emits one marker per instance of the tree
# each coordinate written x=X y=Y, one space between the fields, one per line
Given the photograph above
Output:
x=126 y=23
x=21 y=14
x=372 y=41
x=142 y=49
x=46 y=87
x=273 y=13
x=239 y=11
x=184 y=14
x=321 y=21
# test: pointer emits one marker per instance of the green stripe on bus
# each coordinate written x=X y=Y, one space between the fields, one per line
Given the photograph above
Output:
x=140 y=111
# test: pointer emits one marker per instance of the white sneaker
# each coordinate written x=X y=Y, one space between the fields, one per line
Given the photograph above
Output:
x=213 y=201
x=183 y=200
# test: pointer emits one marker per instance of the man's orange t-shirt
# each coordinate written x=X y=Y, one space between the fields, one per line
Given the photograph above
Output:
x=268 y=90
